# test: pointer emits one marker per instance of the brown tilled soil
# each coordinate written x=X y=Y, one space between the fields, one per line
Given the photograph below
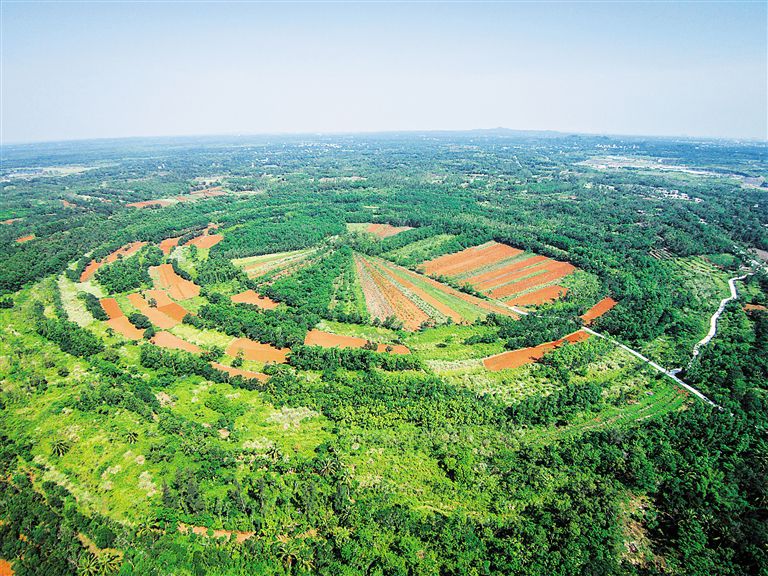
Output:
x=517 y=358
x=155 y=315
x=501 y=272
x=111 y=307
x=598 y=310
x=5 y=568
x=540 y=296
x=385 y=230
x=553 y=272
x=177 y=287
x=257 y=351
x=473 y=259
x=251 y=297
x=125 y=251
x=328 y=340
x=239 y=372
x=27 y=238
x=375 y=302
x=168 y=245
x=160 y=296
x=168 y=340
x=448 y=260
x=122 y=326
x=405 y=309
x=206 y=240
x=147 y=203
x=537 y=268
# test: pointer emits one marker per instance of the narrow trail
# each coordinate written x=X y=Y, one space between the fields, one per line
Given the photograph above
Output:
x=715 y=317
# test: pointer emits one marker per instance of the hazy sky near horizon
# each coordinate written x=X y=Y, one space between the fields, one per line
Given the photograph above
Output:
x=74 y=70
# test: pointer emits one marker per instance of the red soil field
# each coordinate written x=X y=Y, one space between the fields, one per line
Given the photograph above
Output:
x=501 y=272
x=479 y=302
x=27 y=238
x=253 y=350
x=554 y=272
x=478 y=258
x=147 y=203
x=155 y=315
x=122 y=326
x=239 y=372
x=206 y=240
x=328 y=340
x=168 y=245
x=385 y=230
x=431 y=300
x=10 y=221
x=168 y=340
x=541 y=296
x=125 y=251
x=251 y=297
x=378 y=306
x=754 y=307
x=598 y=310
x=177 y=287
x=405 y=310
x=111 y=307
x=447 y=260
x=517 y=358
x=538 y=268
x=5 y=568
x=160 y=296
x=68 y=204
x=174 y=310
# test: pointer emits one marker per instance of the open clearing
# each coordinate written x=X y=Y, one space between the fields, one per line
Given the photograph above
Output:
x=27 y=238
x=165 y=278
x=111 y=307
x=156 y=315
x=598 y=310
x=205 y=241
x=328 y=340
x=123 y=326
x=257 y=351
x=517 y=358
x=124 y=252
x=172 y=342
x=254 y=298
x=257 y=265
x=378 y=230
x=169 y=244
x=232 y=371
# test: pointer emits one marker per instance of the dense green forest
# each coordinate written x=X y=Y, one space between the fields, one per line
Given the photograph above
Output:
x=227 y=426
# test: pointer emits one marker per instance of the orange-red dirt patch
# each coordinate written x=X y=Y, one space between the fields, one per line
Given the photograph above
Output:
x=598 y=310
x=328 y=340
x=148 y=203
x=385 y=230
x=27 y=238
x=541 y=296
x=125 y=251
x=554 y=272
x=251 y=297
x=177 y=287
x=257 y=351
x=405 y=310
x=122 y=326
x=5 y=568
x=111 y=307
x=472 y=259
x=155 y=315
x=173 y=342
x=160 y=297
x=168 y=245
x=232 y=371
x=517 y=358
x=10 y=221
x=206 y=240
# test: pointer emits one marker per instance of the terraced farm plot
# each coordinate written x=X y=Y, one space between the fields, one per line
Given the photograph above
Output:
x=178 y=288
x=517 y=358
x=504 y=273
x=413 y=298
x=255 y=266
x=125 y=252
x=378 y=230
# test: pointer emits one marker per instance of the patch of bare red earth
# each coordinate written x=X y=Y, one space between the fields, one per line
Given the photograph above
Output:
x=5 y=568
x=429 y=299
x=172 y=342
x=553 y=272
x=23 y=239
x=257 y=351
x=405 y=310
x=479 y=302
x=168 y=245
x=254 y=298
x=125 y=251
x=177 y=287
x=517 y=358
x=479 y=257
x=117 y=320
x=156 y=315
x=375 y=302
x=206 y=240
x=68 y=204
x=499 y=273
x=385 y=230
x=328 y=340
x=541 y=296
x=528 y=271
x=598 y=310
x=111 y=307
x=147 y=203
x=10 y=221
x=247 y=374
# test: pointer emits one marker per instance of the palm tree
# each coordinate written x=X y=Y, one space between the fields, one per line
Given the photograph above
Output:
x=109 y=563
x=132 y=437
x=60 y=446
x=274 y=453
x=87 y=565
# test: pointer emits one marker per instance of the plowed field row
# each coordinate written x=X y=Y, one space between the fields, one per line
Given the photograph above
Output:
x=517 y=358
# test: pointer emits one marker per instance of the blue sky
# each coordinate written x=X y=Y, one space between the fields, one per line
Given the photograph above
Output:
x=109 y=69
